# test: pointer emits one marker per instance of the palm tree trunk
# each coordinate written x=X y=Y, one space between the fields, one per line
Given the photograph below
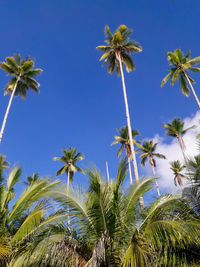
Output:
x=154 y=175
x=68 y=206
x=182 y=146
x=107 y=171
x=192 y=89
x=135 y=169
x=129 y=167
x=7 y=110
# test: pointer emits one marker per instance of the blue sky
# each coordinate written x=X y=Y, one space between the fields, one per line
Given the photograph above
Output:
x=80 y=104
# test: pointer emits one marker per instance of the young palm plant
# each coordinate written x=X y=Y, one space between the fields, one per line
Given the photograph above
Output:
x=123 y=139
x=22 y=74
x=177 y=168
x=107 y=219
x=22 y=217
x=176 y=129
x=148 y=151
x=116 y=54
x=181 y=65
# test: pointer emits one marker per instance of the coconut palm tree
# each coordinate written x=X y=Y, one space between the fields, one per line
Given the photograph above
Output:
x=123 y=139
x=22 y=74
x=116 y=54
x=70 y=159
x=176 y=129
x=106 y=218
x=177 y=168
x=181 y=65
x=148 y=151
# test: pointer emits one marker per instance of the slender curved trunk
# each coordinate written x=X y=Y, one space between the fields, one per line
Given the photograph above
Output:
x=8 y=109
x=135 y=169
x=182 y=146
x=192 y=89
x=129 y=168
x=107 y=171
x=154 y=175
x=68 y=206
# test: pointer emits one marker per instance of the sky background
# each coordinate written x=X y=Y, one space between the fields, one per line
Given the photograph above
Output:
x=80 y=104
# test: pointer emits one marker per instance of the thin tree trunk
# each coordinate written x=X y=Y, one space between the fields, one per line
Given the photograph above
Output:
x=68 y=206
x=7 y=110
x=107 y=171
x=182 y=146
x=154 y=175
x=135 y=169
x=193 y=91
x=129 y=167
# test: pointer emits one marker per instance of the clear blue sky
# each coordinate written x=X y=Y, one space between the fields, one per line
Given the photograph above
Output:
x=80 y=104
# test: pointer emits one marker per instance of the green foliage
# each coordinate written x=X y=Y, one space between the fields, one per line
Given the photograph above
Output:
x=23 y=73
x=70 y=158
x=181 y=66
x=176 y=128
x=119 y=45
x=147 y=149
x=18 y=222
x=123 y=139
x=177 y=168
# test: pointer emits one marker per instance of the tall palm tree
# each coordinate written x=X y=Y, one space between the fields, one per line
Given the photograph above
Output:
x=181 y=65
x=116 y=54
x=177 y=168
x=22 y=74
x=70 y=159
x=176 y=129
x=148 y=151
x=123 y=139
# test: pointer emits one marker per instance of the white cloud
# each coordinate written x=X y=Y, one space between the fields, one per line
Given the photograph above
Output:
x=173 y=152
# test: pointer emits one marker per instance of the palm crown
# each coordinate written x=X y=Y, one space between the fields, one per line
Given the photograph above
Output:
x=181 y=66
x=176 y=128
x=22 y=72
x=177 y=168
x=119 y=44
x=148 y=150
x=123 y=139
x=70 y=159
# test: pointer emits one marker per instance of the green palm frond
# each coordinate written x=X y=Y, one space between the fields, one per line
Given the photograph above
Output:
x=181 y=66
x=23 y=72
x=69 y=158
x=13 y=178
x=195 y=61
x=176 y=128
x=123 y=139
x=31 y=194
x=183 y=85
x=31 y=222
x=119 y=43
